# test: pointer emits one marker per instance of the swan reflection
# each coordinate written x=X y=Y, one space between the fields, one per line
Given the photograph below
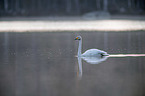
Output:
x=89 y=60
x=80 y=71
x=99 y=59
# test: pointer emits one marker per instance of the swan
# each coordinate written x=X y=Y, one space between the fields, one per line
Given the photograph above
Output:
x=89 y=52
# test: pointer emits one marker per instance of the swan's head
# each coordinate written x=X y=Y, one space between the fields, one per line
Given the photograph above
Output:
x=78 y=38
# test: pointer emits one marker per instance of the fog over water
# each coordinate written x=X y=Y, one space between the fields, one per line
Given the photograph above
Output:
x=45 y=64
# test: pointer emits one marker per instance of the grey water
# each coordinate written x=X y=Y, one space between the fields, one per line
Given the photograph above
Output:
x=45 y=64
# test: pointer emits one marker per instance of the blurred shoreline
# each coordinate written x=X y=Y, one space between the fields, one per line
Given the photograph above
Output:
x=53 y=18
x=72 y=23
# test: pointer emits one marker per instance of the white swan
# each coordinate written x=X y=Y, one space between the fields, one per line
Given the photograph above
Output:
x=90 y=52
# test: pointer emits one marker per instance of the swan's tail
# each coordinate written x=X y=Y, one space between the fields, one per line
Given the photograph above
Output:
x=105 y=54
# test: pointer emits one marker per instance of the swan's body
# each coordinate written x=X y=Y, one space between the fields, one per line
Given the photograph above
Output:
x=90 y=52
x=93 y=53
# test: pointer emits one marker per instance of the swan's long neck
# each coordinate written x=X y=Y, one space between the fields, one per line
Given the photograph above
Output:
x=80 y=48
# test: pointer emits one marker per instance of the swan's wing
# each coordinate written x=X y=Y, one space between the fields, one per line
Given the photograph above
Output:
x=93 y=52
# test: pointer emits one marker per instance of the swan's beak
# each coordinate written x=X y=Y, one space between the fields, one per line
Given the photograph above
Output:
x=76 y=38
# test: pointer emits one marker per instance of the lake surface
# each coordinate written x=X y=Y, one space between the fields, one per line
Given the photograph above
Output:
x=45 y=64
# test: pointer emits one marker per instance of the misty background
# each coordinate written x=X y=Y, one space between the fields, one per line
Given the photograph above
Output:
x=38 y=50
x=69 y=7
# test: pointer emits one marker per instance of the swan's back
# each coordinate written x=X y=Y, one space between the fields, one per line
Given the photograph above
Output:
x=94 y=52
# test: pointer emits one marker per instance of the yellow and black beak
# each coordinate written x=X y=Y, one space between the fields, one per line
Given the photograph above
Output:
x=77 y=38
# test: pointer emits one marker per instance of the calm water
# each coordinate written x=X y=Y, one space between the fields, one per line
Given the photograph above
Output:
x=44 y=64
